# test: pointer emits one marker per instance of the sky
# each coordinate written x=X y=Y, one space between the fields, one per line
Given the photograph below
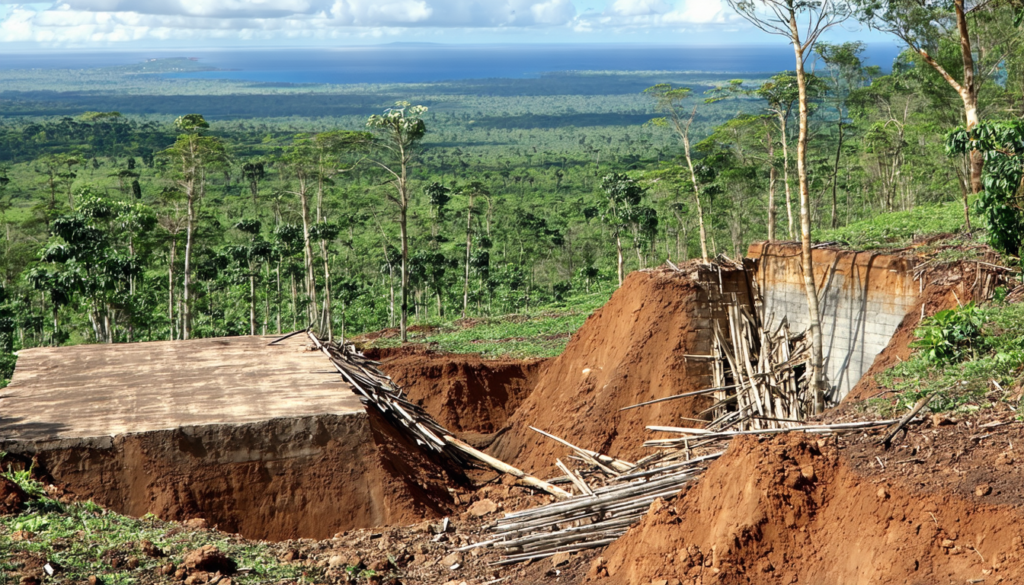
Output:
x=137 y=24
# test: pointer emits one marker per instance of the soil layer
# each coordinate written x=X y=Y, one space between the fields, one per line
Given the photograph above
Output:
x=629 y=351
x=463 y=392
x=305 y=477
x=793 y=509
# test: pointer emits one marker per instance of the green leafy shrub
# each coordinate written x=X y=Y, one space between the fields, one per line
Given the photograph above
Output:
x=950 y=335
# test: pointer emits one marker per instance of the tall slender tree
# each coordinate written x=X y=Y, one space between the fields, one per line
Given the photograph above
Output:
x=400 y=130
x=195 y=153
x=802 y=22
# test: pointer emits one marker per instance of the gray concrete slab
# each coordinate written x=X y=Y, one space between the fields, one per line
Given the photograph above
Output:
x=107 y=390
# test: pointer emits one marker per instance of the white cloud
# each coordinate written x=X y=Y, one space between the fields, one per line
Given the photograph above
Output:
x=638 y=7
x=82 y=22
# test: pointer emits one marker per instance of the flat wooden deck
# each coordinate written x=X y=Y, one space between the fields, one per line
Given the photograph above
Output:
x=107 y=390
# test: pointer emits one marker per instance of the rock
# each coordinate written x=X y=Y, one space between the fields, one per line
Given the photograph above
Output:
x=150 y=550
x=94 y=580
x=20 y=535
x=197 y=578
x=356 y=561
x=808 y=473
x=452 y=560
x=947 y=543
x=167 y=569
x=196 y=524
x=659 y=582
x=483 y=508
x=983 y=490
x=941 y=419
x=29 y=580
x=12 y=497
x=597 y=567
x=180 y=574
x=1005 y=459
x=133 y=563
x=209 y=559
x=883 y=494
x=560 y=559
x=336 y=561
x=381 y=566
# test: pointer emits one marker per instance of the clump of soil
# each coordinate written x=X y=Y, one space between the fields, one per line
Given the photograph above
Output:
x=463 y=392
x=792 y=509
x=12 y=497
x=629 y=351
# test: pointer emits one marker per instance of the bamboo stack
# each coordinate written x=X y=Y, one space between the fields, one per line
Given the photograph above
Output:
x=378 y=391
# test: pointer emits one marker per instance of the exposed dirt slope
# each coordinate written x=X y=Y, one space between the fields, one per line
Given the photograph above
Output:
x=461 y=391
x=309 y=477
x=793 y=510
x=629 y=351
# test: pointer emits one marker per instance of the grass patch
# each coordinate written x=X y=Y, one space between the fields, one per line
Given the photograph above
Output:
x=898 y=229
x=84 y=539
x=959 y=362
x=542 y=333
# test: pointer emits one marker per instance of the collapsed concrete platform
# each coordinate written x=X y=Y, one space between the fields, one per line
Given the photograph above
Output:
x=264 y=440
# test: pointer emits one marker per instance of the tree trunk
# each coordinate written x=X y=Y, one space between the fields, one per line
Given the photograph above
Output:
x=773 y=175
x=835 y=175
x=312 y=315
x=186 y=293
x=404 y=303
x=817 y=360
x=252 y=302
x=618 y=250
x=170 y=287
x=785 y=174
x=696 y=196
x=469 y=249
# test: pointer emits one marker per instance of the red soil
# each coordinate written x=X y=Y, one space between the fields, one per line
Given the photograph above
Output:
x=793 y=510
x=278 y=479
x=462 y=392
x=629 y=351
x=12 y=497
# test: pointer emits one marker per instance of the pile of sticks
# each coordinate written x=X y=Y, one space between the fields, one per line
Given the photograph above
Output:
x=594 y=518
x=758 y=373
x=378 y=391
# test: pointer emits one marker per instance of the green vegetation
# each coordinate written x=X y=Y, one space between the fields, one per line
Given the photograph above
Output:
x=969 y=357
x=270 y=207
x=82 y=539
x=543 y=333
x=899 y=228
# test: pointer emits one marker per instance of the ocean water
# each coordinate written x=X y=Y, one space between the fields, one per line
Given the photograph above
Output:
x=427 y=63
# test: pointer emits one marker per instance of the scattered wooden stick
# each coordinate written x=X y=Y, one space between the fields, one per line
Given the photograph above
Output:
x=887 y=441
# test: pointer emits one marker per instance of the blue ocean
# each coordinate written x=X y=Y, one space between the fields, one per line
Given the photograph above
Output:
x=399 y=63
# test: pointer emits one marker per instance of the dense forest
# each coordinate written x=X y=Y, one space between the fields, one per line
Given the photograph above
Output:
x=170 y=208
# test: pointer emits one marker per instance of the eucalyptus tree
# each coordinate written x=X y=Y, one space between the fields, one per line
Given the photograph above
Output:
x=470 y=192
x=195 y=153
x=624 y=210
x=984 y=33
x=400 y=130
x=669 y=100
x=801 y=22
x=249 y=257
x=846 y=73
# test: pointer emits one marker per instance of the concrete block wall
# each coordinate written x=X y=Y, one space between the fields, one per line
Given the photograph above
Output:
x=864 y=297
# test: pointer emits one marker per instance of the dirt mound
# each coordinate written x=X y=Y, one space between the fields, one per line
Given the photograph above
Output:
x=629 y=351
x=792 y=510
x=12 y=497
x=463 y=392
